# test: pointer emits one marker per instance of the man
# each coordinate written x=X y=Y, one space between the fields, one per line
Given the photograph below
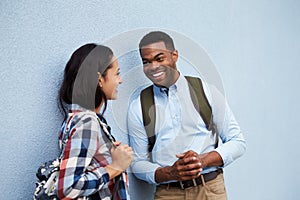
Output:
x=185 y=162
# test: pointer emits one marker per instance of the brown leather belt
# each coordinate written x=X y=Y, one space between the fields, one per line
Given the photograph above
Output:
x=194 y=182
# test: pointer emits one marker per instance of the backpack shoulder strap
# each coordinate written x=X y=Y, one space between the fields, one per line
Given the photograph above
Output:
x=149 y=115
x=202 y=105
x=199 y=99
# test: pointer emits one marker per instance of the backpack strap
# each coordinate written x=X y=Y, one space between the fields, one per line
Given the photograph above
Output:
x=66 y=132
x=149 y=115
x=199 y=100
x=202 y=105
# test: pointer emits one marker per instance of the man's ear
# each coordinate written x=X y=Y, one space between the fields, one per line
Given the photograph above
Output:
x=175 y=55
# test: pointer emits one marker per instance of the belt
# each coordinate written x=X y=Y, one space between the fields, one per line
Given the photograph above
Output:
x=194 y=182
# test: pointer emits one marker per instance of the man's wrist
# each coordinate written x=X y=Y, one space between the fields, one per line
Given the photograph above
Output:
x=203 y=160
x=163 y=174
x=211 y=159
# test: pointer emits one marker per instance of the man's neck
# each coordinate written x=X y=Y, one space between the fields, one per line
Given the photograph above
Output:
x=172 y=82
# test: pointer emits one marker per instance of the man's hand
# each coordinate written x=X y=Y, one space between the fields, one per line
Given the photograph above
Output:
x=187 y=167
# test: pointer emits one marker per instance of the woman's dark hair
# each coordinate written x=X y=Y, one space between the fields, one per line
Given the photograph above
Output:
x=80 y=84
x=157 y=36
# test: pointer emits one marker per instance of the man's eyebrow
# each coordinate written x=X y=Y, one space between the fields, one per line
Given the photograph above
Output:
x=157 y=55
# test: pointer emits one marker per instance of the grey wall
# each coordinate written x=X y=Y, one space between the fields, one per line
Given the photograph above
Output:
x=254 y=45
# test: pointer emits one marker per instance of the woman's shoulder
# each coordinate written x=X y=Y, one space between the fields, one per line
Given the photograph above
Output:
x=81 y=118
x=85 y=125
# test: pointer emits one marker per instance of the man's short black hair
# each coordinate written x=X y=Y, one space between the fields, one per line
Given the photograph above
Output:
x=157 y=36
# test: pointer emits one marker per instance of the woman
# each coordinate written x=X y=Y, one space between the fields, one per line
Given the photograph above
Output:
x=93 y=164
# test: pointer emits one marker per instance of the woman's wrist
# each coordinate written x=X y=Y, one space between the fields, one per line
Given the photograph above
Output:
x=112 y=171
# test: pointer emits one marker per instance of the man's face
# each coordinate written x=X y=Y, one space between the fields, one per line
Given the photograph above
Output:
x=160 y=64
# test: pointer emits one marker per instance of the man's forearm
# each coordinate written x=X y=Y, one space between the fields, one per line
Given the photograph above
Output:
x=163 y=174
x=211 y=159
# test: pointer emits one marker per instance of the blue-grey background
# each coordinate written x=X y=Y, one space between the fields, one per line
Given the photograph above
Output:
x=254 y=45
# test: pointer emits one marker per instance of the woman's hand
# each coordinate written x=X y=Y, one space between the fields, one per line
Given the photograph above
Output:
x=122 y=156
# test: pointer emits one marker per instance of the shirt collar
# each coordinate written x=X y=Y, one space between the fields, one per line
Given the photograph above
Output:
x=175 y=87
x=180 y=83
x=77 y=108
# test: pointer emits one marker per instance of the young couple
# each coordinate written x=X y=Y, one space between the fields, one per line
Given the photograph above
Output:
x=94 y=163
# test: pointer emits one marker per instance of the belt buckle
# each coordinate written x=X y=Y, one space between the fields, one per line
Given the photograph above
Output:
x=183 y=187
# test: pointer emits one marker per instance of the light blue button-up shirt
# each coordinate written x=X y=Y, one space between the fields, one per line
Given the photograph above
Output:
x=179 y=128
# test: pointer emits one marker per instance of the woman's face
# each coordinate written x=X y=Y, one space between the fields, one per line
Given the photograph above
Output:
x=111 y=80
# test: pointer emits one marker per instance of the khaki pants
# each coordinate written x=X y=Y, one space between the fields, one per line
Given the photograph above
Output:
x=211 y=190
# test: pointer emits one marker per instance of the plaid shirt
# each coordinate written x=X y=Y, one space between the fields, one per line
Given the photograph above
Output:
x=86 y=153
